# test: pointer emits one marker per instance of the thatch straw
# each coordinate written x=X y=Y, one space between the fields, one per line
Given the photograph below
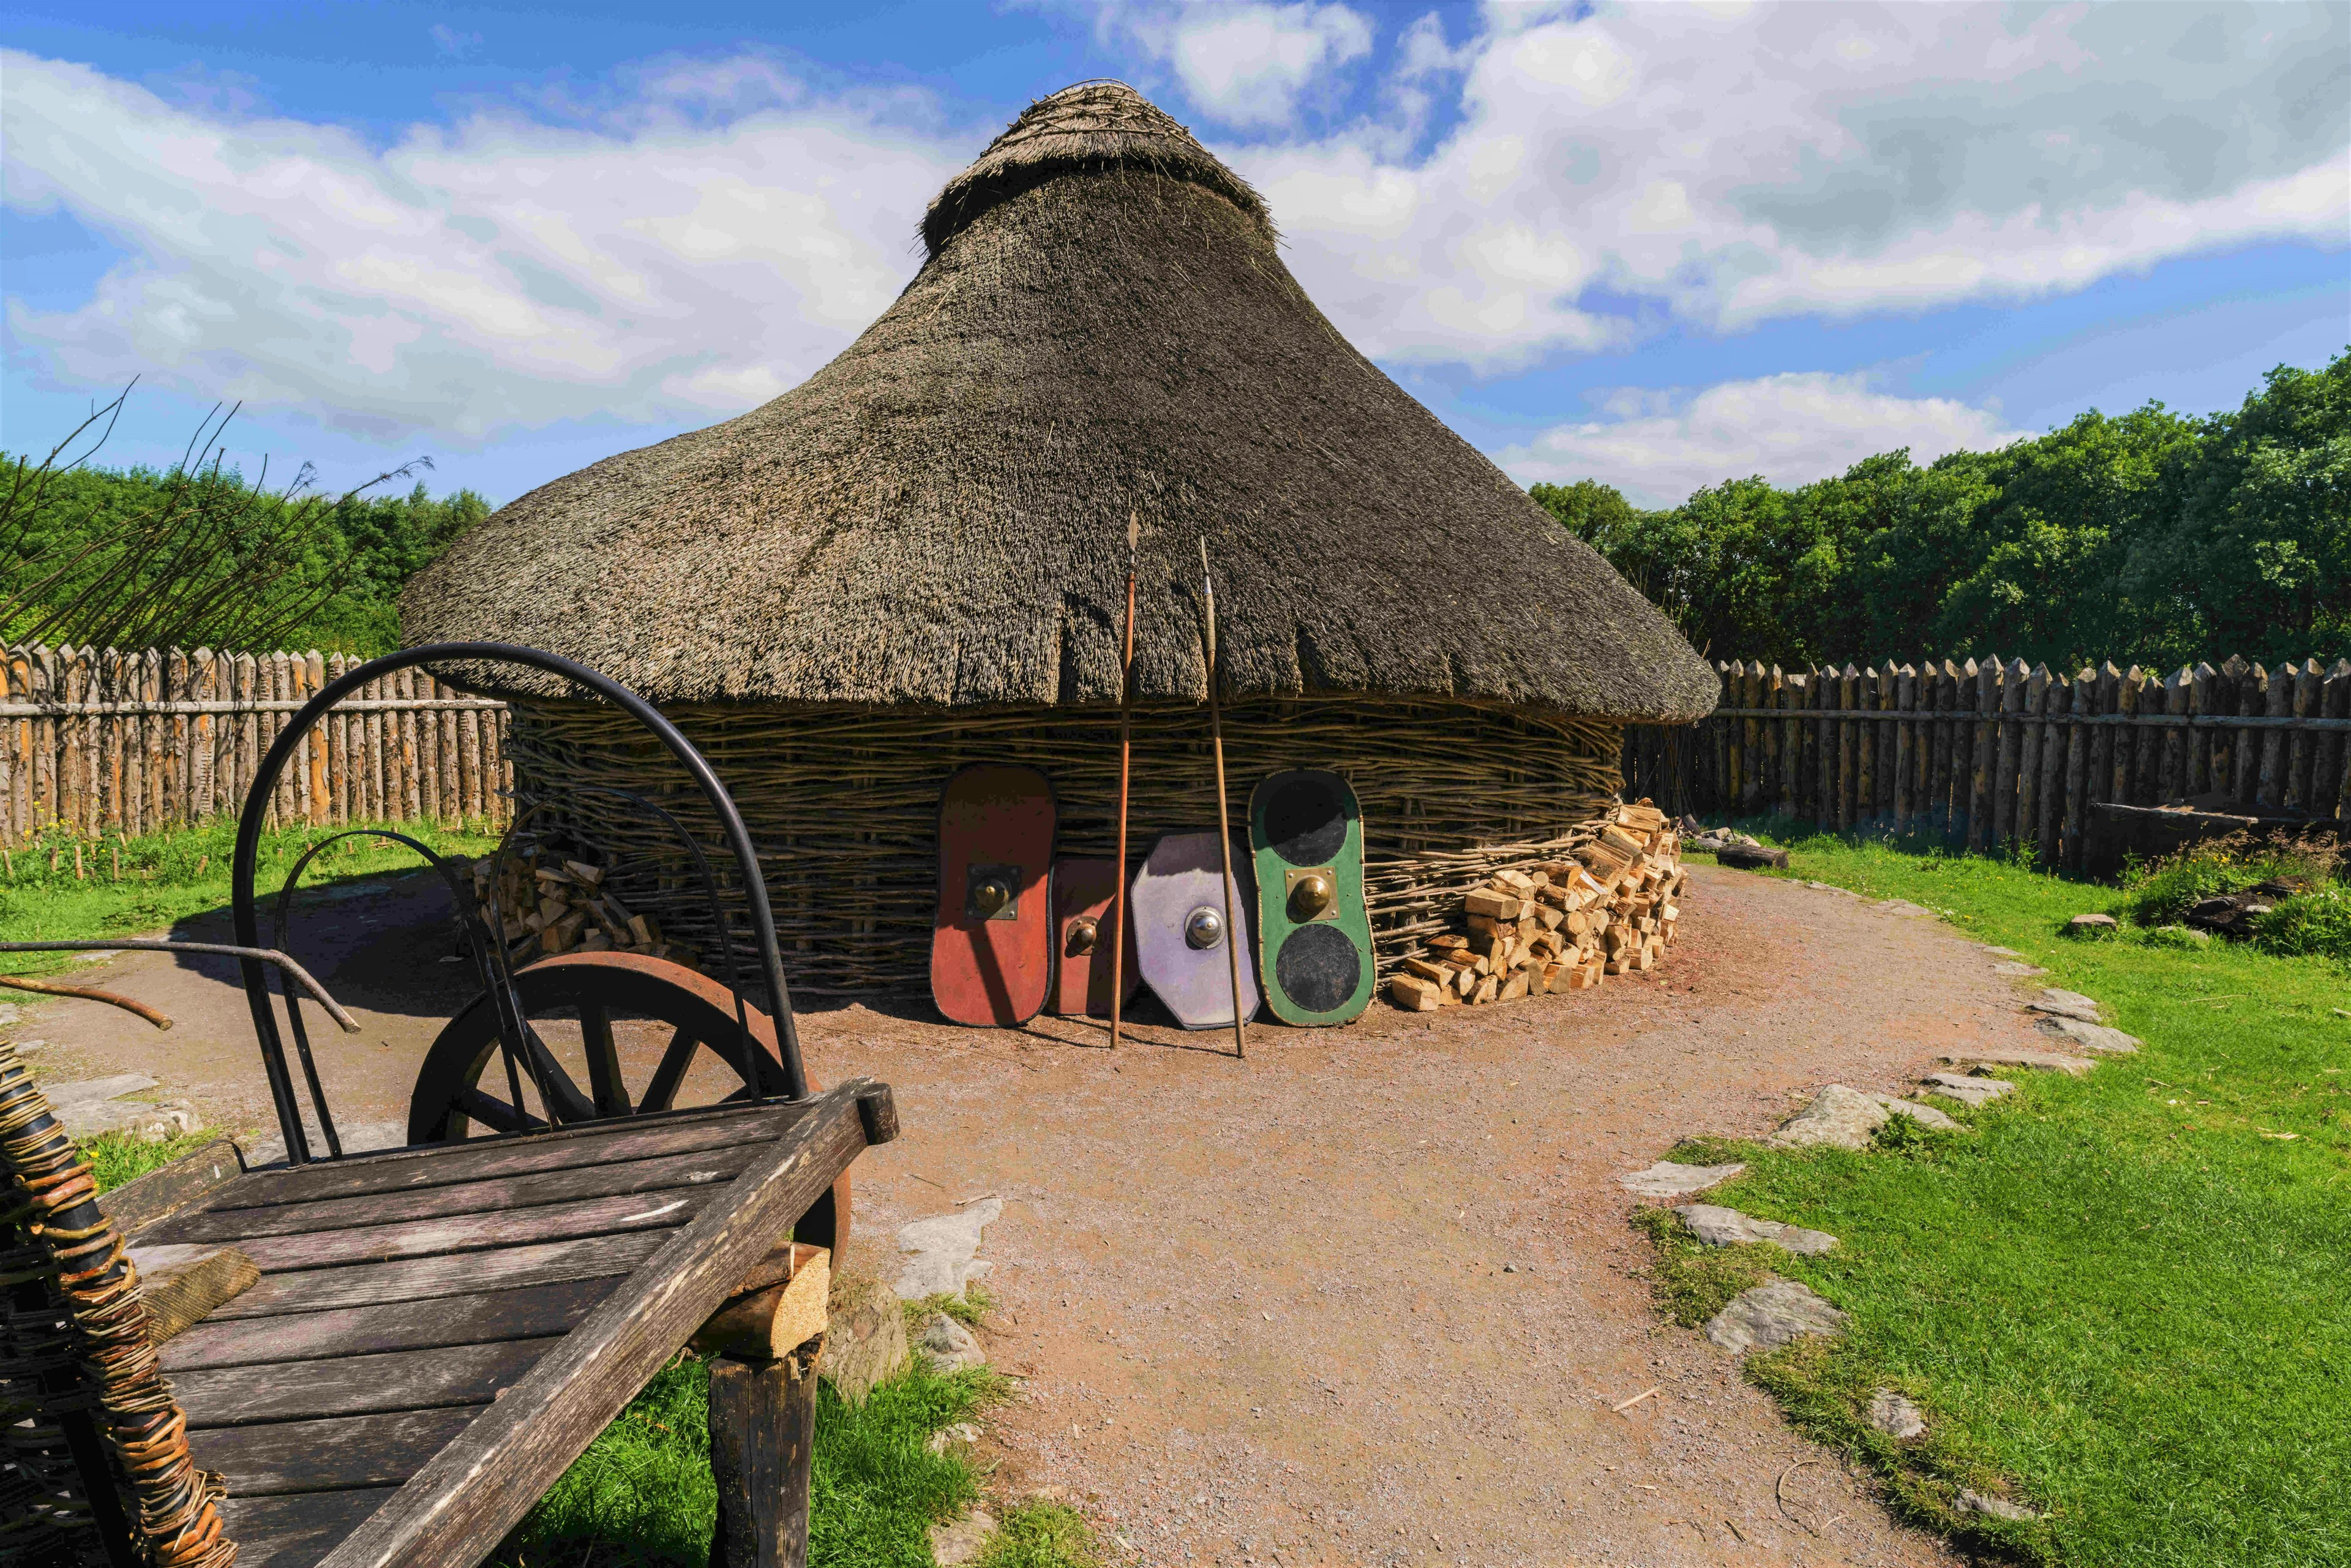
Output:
x=845 y=806
x=936 y=517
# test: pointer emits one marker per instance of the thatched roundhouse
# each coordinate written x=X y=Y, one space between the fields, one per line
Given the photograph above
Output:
x=917 y=559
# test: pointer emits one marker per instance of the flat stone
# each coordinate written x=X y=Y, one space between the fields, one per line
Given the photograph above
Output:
x=1998 y=952
x=1973 y=1502
x=2018 y=967
x=963 y=1540
x=1667 y=1179
x=1903 y=906
x=1925 y=1116
x=133 y=1119
x=1895 y=1416
x=2101 y=1038
x=865 y=1338
x=1719 y=1227
x=1832 y=888
x=2090 y=925
x=945 y=1251
x=61 y=1095
x=1774 y=1313
x=2065 y=1004
x=1965 y=1088
x=1840 y=1117
x=948 y=1346
x=2003 y=1056
x=9 y=1013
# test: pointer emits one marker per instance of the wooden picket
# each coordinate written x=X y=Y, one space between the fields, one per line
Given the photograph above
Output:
x=102 y=743
x=1989 y=755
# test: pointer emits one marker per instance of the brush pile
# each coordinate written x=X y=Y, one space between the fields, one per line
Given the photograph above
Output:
x=1561 y=925
x=549 y=902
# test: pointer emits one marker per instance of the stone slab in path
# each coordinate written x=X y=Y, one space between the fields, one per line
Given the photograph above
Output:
x=1719 y=1227
x=1896 y=1416
x=2006 y=1056
x=1774 y=1313
x=1967 y=1088
x=944 y=1252
x=2101 y=1038
x=2065 y=1004
x=1846 y=1118
x=1667 y=1179
x=2016 y=969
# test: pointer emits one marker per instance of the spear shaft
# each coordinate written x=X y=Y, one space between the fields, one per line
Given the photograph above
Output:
x=1125 y=758
x=1223 y=814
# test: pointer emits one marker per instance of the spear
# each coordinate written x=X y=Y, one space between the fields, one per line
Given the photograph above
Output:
x=1224 y=815
x=1125 y=756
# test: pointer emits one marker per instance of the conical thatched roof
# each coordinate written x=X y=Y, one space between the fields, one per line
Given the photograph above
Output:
x=939 y=516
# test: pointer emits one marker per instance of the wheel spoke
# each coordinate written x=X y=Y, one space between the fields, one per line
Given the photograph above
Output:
x=604 y=1084
x=662 y=1089
x=570 y=1104
x=496 y=1114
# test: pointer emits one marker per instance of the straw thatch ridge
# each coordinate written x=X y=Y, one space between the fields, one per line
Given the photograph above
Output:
x=939 y=516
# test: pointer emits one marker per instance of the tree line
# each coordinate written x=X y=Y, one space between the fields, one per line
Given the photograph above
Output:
x=2153 y=537
x=199 y=555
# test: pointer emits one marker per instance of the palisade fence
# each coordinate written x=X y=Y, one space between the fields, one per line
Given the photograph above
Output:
x=94 y=742
x=1989 y=755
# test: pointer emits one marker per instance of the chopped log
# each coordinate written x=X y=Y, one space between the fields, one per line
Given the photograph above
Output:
x=1414 y=994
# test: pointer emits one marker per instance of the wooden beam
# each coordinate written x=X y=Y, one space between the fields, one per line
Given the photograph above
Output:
x=762 y=1437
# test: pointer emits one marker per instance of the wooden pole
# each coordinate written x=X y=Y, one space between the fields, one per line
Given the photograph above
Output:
x=1224 y=811
x=1125 y=762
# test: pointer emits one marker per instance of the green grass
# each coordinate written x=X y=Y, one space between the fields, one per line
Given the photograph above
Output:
x=115 y=1160
x=167 y=877
x=640 y=1496
x=2123 y=1298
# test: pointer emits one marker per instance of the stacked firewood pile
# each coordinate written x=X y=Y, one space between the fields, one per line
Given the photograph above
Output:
x=548 y=904
x=1561 y=925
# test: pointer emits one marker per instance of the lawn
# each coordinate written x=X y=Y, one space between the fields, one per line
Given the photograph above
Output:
x=2122 y=1299
x=122 y=887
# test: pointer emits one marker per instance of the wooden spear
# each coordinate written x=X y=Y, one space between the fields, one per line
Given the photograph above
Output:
x=1224 y=815
x=1125 y=756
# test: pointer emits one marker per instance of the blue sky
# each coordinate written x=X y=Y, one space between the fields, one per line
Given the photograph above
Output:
x=1662 y=246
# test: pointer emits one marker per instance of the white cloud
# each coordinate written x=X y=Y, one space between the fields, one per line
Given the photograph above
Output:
x=1659 y=447
x=1730 y=166
x=644 y=263
x=1246 y=65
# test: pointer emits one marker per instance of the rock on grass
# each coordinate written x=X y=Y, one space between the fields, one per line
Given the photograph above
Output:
x=1719 y=1227
x=1667 y=1179
x=1777 y=1313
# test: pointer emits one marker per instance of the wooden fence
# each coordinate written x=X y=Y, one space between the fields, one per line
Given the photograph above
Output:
x=94 y=742
x=1990 y=754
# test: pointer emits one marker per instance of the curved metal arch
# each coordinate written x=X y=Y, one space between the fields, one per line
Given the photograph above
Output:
x=697 y=767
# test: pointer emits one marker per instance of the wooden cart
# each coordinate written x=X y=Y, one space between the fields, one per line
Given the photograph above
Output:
x=437 y=1332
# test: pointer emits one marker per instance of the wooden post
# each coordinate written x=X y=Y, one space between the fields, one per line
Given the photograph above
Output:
x=2331 y=795
x=1726 y=800
x=1848 y=747
x=1734 y=772
x=2179 y=695
x=2077 y=766
x=762 y=1436
x=2028 y=756
x=2049 y=809
x=1983 y=742
x=2278 y=693
x=2014 y=678
x=1771 y=685
x=1941 y=691
x=1865 y=736
x=2126 y=737
x=1906 y=746
x=2300 y=761
x=1883 y=807
x=2245 y=745
x=1826 y=698
x=1793 y=690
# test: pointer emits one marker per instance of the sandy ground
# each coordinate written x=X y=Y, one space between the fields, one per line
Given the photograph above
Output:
x=1367 y=1297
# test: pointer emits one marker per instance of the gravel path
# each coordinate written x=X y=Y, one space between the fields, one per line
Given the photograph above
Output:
x=1370 y=1296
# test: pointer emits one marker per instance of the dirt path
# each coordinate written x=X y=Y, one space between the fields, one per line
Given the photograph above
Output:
x=1368 y=1297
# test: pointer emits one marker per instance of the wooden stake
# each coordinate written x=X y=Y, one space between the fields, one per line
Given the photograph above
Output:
x=1125 y=760
x=1224 y=811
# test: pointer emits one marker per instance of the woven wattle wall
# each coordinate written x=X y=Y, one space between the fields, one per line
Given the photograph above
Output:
x=844 y=804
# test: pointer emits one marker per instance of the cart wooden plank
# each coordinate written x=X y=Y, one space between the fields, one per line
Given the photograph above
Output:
x=356 y=1384
x=413 y=1279
x=468 y=1233
x=484 y=1319
x=590 y=1144
x=496 y=1194
x=295 y=1531
x=328 y=1456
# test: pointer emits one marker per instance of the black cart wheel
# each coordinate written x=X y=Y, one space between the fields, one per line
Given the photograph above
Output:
x=462 y=1090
